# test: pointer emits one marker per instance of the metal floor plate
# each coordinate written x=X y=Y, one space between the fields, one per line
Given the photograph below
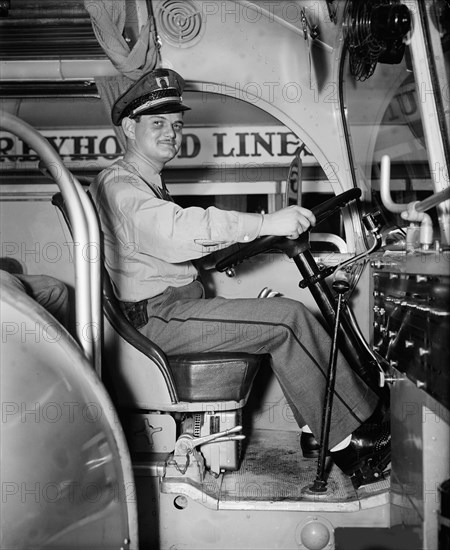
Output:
x=273 y=469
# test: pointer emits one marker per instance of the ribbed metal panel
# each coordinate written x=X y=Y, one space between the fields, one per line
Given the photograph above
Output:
x=45 y=8
x=47 y=29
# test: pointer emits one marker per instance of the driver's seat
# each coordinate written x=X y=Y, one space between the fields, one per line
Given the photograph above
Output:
x=160 y=397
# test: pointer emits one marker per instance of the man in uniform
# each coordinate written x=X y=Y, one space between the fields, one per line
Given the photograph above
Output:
x=150 y=243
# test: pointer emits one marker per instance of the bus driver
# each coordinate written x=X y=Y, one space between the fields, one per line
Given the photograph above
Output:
x=150 y=243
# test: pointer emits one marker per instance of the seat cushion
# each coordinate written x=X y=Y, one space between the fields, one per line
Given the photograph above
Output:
x=214 y=376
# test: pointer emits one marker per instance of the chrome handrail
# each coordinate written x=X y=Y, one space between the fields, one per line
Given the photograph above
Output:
x=86 y=235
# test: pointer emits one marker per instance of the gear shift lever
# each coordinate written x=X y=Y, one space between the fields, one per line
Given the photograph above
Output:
x=340 y=286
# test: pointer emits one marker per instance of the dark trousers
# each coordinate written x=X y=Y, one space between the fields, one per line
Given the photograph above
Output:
x=181 y=321
x=47 y=291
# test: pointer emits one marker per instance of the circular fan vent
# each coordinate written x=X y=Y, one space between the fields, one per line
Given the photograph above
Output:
x=180 y=22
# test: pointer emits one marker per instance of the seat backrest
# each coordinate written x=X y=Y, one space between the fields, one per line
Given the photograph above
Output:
x=119 y=322
x=157 y=382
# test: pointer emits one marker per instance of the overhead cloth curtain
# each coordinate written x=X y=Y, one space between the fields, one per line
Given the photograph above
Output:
x=108 y=21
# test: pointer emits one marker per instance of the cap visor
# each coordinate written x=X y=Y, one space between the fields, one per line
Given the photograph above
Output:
x=173 y=107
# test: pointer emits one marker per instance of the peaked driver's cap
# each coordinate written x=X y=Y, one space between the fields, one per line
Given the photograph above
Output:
x=157 y=92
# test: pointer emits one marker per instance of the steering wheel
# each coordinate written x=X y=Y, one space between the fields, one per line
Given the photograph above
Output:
x=291 y=247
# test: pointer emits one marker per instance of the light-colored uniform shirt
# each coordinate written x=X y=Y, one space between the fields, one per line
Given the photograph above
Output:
x=149 y=241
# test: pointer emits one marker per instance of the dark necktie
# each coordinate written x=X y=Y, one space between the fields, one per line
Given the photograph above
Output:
x=165 y=192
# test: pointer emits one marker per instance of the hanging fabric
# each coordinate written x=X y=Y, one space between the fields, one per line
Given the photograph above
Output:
x=108 y=21
x=108 y=18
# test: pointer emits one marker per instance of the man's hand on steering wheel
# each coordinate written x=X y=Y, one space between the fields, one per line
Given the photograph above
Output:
x=289 y=222
x=287 y=230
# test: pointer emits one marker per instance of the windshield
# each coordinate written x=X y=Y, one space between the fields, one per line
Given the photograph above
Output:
x=384 y=117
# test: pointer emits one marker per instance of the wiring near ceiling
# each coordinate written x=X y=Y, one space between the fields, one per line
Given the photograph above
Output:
x=374 y=34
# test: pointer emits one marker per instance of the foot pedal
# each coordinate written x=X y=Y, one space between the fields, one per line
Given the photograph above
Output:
x=370 y=472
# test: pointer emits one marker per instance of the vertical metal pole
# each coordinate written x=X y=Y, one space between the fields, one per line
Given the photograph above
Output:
x=320 y=483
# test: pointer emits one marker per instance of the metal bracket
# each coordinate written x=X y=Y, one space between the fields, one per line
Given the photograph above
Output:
x=312 y=30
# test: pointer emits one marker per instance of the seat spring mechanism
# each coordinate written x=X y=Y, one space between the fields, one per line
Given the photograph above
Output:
x=197 y=424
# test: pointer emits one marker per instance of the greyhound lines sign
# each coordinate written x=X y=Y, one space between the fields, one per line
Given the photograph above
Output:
x=222 y=146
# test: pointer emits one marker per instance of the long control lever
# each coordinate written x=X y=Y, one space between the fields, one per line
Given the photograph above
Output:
x=340 y=286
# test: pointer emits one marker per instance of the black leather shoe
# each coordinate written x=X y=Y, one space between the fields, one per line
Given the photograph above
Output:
x=367 y=455
x=309 y=445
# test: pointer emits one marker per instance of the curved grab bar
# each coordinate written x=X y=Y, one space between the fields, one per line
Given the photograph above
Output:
x=419 y=206
x=413 y=211
x=86 y=235
x=385 y=189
